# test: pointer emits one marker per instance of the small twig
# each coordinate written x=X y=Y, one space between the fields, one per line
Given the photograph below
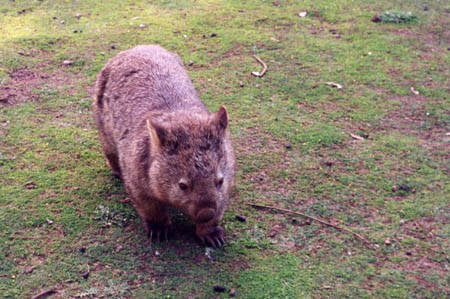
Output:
x=126 y=200
x=357 y=137
x=29 y=269
x=367 y=242
x=257 y=74
x=44 y=293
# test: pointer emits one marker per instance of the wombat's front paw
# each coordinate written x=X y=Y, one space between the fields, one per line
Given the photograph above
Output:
x=155 y=229
x=212 y=235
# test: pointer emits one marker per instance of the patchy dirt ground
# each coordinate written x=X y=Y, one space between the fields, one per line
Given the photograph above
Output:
x=372 y=156
x=27 y=84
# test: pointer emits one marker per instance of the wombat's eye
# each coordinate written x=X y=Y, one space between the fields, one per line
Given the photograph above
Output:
x=183 y=186
x=219 y=182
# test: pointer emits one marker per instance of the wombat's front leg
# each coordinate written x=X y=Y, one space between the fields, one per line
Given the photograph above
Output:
x=210 y=234
x=154 y=215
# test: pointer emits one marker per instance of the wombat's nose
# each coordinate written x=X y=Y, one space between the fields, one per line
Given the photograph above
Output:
x=205 y=215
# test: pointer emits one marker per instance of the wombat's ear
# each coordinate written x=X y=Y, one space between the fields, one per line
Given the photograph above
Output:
x=156 y=136
x=220 y=119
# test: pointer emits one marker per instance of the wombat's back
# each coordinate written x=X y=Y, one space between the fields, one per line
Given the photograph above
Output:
x=145 y=79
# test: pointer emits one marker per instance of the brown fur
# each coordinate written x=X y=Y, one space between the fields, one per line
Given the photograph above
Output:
x=158 y=136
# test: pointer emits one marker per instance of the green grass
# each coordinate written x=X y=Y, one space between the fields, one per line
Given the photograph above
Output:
x=62 y=213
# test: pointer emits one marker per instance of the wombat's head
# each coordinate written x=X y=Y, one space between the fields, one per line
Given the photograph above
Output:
x=193 y=164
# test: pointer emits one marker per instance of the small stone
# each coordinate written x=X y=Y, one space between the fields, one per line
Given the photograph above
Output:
x=394 y=188
x=29 y=269
x=241 y=218
x=376 y=19
x=67 y=62
x=102 y=53
x=191 y=63
x=208 y=253
x=49 y=221
x=78 y=15
x=409 y=253
x=213 y=34
x=142 y=26
x=258 y=86
x=157 y=253
x=21 y=52
x=302 y=14
x=387 y=241
x=30 y=185
x=232 y=293
x=5 y=98
x=219 y=289
x=241 y=84
x=289 y=245
x=62 y=21
x=272 y=234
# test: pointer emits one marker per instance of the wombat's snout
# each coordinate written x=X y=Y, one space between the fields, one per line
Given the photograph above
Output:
x=205 y=215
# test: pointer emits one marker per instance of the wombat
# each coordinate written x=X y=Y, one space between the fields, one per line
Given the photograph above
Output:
x=159 y=137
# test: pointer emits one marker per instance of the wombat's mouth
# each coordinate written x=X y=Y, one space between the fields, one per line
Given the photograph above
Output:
x=205 y=215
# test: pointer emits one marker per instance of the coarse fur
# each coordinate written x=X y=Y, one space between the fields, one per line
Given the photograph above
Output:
x=159 y=137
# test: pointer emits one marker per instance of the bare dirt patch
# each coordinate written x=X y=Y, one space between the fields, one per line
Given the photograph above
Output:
x=19 y=87
x=423 y=229
x=24 y=84
x=410 y=118
x=432 y=38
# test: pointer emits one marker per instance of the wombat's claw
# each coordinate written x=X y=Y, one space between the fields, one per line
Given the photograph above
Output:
x=157 y=228
x=214 y=242
x=215 y=238
x=166 y=232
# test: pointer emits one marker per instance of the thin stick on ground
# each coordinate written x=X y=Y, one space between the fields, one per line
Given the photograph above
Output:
x=367 y=242
x=44 y=294
x=258 y=74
